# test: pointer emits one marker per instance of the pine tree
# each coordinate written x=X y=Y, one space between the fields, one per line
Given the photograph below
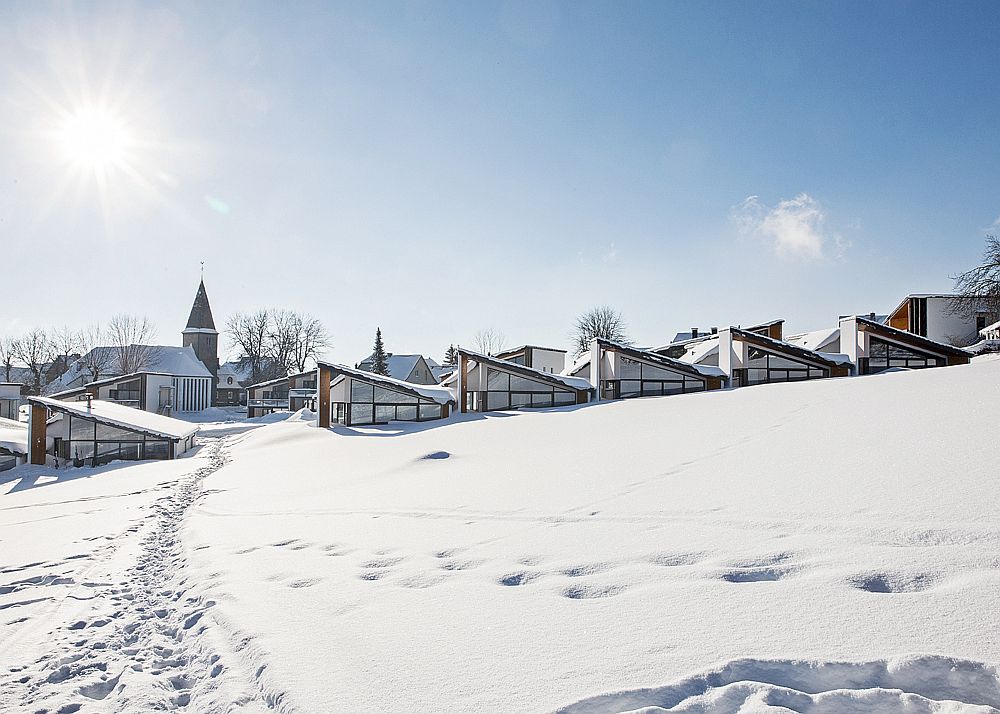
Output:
x=379 y=363
x=451 y=357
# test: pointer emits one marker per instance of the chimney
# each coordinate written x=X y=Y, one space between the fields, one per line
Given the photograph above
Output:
x=694 y=332
x=715 y=330
x=871 y=316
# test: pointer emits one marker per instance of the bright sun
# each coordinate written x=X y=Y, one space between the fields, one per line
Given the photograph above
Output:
x=95 y=139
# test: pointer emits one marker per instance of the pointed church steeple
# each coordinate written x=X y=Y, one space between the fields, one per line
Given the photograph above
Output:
x=201 y=335
x=201 y=311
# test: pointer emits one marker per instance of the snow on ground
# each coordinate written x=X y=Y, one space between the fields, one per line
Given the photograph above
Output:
x=826 y=547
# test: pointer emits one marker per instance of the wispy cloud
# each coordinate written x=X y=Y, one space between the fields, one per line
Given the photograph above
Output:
x=795 y=229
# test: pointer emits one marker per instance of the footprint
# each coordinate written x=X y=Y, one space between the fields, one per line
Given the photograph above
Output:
x=460 y=564
x=386 y=562
x=672 y=560
x=434 y=456
x=304 y=582
x=588 y=592
x=520 y=578
x=590 y=569
x=885 y=583
x=762 y=561
x=372 y=575
x=756 y=575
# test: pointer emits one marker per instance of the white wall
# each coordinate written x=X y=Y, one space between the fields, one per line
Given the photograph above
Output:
x=551 y=361
x=947 y=328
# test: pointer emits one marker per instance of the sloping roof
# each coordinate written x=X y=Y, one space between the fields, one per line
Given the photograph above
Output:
x=699 y=370
x=400 y=366
x=14 y=436
x=911 y=338
x=816 y=339
x=163 y=359
x=422 y=391
x=559 y=380
x=279 y=380
x=201 y=311
x=516 y=350
x=755 y=338
x=697 y=351
x=121 y=416
x=101 y=383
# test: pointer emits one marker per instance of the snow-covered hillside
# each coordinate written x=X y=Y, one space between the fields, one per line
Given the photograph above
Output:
x=831 y=546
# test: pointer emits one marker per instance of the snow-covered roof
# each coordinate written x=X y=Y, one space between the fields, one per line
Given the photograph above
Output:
x=522 y=348
x=530 y=372
x=990 y=328
x=119 y=415
x=656 y=358
x=163 y=359
x=441 y=395
x=400 y=366
x=102 y=383
x=788 y=348
x=280 y=380
x=14 y=436
x=817 y=339
x=702 y=349
x=905 y=337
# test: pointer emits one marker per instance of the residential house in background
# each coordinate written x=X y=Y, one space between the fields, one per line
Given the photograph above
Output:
x=413 y=369
x=289 y=393
x=149 y=391
x=10 y=400
x=544 y=359
x=874 y=346
x=950 y=319
x=754 y=357
x=485 y=383
x=355 y=397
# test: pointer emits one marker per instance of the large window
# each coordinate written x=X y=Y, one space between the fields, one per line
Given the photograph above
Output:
x=126 y=392
x=94 y=443
x=883 y=355
x=505 y=390
x=642 y=379
x=764 y=367
x=371 y=404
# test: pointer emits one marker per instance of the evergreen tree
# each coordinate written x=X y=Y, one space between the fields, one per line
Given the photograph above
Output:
x=451 y=357
x=379 y=363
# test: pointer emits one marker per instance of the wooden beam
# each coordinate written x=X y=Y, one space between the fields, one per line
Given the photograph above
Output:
x=323 y=378
x=37 y=428
x=463 y=379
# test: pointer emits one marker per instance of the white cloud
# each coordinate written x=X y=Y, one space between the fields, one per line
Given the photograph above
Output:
x=795 y=229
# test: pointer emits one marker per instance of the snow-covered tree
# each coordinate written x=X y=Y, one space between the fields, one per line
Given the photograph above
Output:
x=604 y=322
x=380 y=364
x=451 y=357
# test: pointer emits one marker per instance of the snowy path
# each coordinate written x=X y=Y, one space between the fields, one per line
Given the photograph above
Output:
x=139 y=641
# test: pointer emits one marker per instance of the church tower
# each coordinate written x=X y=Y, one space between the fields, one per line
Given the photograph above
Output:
x=201 y=335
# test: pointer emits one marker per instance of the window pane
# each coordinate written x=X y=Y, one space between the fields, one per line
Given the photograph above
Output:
x=563 y=398
x=81 y=449
x=430 y=411
x=630 y=388
x=391 y=396
x=497 y=400
x=629 y=368
x=756 y=376
x=107 y=433
x=673 y=387
x=361 y=392
x=523 y=384
x=650 y=372
x=156 y=450
x=384 y=414
x=406 y=413
x=361 y=414
x=520 y=399
x=497 y=381
x=694 y=385
x=81 y=428
x=539 y=400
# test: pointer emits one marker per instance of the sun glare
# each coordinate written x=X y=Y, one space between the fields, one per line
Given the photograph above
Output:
x=95 y=139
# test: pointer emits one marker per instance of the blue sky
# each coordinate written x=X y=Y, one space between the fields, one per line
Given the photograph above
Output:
x=440 y=168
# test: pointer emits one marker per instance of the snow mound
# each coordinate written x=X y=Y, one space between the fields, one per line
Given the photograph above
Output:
x=913 y=685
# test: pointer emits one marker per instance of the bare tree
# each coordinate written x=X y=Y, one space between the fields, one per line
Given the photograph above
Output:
x=8 y=355
x=309 y=339
x=128 y=336
x=249 y=332
x=35 y=351
x=96 y=357
x=65 y=343
x=604 y=322
x=281 y=340
x=981 y=283
x=489 y=341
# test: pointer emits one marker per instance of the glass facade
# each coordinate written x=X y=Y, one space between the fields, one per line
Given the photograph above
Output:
x=764 y=367
x=643 y=379
x=375 y=404
x=883 y=355
x=126 y=393
x=93 y=443
x=506 y=390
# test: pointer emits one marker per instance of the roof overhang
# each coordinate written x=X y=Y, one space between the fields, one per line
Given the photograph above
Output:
x=698 y=371
x=527 y=372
